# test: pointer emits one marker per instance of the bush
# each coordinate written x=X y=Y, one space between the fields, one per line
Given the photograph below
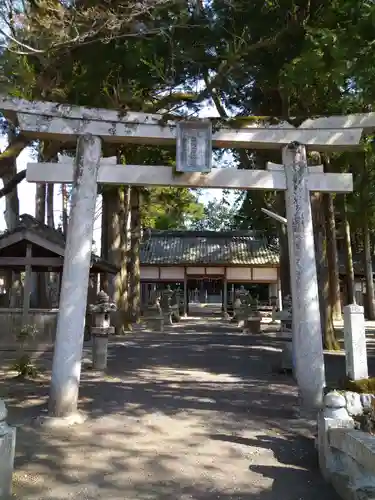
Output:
x=23 y=365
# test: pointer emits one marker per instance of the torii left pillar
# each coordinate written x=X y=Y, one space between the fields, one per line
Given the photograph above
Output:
x=66 y=369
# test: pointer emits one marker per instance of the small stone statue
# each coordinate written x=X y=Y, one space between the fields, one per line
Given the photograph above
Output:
x=253 y=303
x=156 y=303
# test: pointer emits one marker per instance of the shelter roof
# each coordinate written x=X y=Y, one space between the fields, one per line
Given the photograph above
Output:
x=30 y=230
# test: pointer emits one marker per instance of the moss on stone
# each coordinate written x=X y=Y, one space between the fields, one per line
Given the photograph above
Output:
x=363 y=386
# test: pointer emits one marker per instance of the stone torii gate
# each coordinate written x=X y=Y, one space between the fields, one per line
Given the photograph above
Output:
x=91 y=127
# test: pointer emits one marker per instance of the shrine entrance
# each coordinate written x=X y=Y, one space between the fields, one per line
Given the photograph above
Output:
x=205 y=290
x=194 y=141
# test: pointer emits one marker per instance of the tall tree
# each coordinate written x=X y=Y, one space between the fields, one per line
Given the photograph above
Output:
x=134 y=289
x=50 y=204
x=122 y=248
x=348 y=256
x=218 y=216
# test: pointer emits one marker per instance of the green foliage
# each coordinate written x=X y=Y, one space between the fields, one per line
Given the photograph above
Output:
x=363 y=386
x=26 y=333
x=277 y=59
x=217 y=216
x=23 y=365
x=171 y=208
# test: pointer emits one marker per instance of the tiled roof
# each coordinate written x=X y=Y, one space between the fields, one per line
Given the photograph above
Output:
x=207 y=248
x=29 y=223
x=358 y=264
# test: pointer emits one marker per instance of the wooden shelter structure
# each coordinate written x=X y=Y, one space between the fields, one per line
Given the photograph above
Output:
x=28 y=253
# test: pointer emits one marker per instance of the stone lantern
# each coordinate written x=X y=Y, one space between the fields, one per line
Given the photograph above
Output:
x=102 y=329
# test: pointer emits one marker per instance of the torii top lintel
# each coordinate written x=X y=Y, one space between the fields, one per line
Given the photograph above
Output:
x=48 y=120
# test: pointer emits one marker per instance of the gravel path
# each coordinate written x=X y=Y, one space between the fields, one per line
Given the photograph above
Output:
x=193 y=414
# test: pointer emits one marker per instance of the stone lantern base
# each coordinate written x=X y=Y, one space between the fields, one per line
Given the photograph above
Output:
x=100 y=347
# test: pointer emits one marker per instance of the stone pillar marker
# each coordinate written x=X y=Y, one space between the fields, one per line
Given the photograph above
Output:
x=307 y=335
x=66 y=368
x=355 y=342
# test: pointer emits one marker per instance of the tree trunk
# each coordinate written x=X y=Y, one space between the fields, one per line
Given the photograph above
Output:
x=41 y=276
x=64 y=193
x=104 y=277
x=112 y=252
x=12 y=280
x=40 y=203
x=328 y=332
x=12 y=205
x=50 y=197
x=116 y=249
x=284 y=251
x=333 y=260
x=122 y=245
x=284 y=265
x=135 y=274
x=368 y=268
x=348 y=257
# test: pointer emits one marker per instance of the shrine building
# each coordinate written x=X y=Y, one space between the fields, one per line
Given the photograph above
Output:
x=208 y=265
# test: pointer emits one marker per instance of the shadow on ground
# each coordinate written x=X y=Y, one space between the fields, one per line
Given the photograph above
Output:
x=195 y=413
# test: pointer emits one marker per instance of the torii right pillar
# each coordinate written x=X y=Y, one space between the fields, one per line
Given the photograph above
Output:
x=307 y=333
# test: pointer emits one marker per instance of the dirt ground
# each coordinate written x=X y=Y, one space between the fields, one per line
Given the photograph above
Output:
x=195 y=413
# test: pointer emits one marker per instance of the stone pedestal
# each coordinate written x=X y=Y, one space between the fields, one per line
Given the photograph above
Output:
x=355 y=342
x=168 y=318
x=153 y=316
x=155 y=323
x=166 y=305
x=176 y=317
x=7 y=449
x=99 y=350
x=252 y=325
x=287 y=362
x=332 y=415
x=237 y=308
x=102 y=329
